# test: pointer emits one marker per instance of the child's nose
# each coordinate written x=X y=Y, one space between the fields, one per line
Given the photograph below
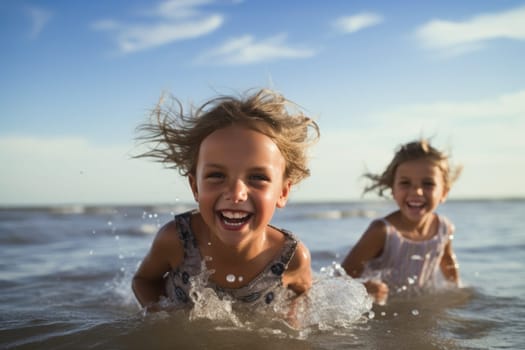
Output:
x=417 y=189
x=237 y=191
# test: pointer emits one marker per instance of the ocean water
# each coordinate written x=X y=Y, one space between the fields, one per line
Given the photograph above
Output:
x=65 y=275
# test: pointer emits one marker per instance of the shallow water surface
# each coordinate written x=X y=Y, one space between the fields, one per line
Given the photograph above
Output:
x=66 y=274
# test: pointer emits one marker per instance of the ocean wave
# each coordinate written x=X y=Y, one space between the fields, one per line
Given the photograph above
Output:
x=340 y=214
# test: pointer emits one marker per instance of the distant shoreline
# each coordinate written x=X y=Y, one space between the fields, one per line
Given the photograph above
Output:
x=71 y=207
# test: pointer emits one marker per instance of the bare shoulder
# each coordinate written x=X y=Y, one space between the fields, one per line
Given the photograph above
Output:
x=372 y=241
x=168 y=244
x=168 y=234
x=298 y=276
x=369 y=246
x=378 y=225
x=301 y=258
x=376 y=231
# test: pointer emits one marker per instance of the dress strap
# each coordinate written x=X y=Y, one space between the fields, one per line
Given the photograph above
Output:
x=289 y=248
x=183 y=224
x=389 y=227
x=446 y=227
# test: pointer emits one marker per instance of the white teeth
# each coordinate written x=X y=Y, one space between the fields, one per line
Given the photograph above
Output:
x=234 y=214
x=234 y=223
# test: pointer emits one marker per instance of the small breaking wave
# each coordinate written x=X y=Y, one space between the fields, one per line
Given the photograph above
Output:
x=334 y=302
x=340 y=214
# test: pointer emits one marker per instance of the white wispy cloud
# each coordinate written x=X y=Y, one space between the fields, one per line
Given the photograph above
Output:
x=39 y=19
x=179 y=8
x=247 y=50
x=457 y=37
x=355 y=23
x=167 y=22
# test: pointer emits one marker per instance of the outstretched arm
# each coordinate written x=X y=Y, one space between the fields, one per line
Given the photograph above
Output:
x=369 y=246
x=298 y=276
x=165 y=253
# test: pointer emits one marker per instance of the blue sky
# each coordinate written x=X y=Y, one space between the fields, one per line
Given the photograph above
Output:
x=77 y=77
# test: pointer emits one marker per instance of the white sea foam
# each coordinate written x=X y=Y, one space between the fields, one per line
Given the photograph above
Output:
x=335 y=301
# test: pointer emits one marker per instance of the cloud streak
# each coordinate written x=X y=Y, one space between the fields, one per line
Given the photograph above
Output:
x=172 y=21
x=39 y=19
x=464 y=36
x=246 y=50
x=179 y=9
x=355 y=23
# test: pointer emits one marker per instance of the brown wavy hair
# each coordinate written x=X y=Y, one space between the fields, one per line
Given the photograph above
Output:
x=174 y=138
x=420 y=149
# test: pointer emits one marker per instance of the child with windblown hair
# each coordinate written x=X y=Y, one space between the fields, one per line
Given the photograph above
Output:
x=241 y=157
x=408 y=247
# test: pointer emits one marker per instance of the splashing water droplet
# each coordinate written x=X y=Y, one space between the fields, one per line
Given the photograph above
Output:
x=230 y=278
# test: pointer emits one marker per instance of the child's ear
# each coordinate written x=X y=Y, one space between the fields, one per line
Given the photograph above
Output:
x=285 y=192
x=193 y=186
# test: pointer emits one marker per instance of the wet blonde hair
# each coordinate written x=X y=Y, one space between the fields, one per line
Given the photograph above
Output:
x=175 y=137
x=415 y=150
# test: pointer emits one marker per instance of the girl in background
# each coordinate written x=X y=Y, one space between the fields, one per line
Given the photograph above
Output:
x=408 y=247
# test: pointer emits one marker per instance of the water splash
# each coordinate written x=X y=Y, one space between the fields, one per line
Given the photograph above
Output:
x=334 y=301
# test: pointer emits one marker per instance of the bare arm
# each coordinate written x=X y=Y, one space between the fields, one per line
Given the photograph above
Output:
x=449 y=266
x=298 y=276
x=369 y=246
x=165 y=253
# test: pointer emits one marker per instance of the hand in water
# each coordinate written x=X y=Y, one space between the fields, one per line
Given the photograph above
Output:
x=378 y=290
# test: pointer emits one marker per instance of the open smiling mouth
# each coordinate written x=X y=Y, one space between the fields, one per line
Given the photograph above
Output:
x=415 y=205
x=234 y=218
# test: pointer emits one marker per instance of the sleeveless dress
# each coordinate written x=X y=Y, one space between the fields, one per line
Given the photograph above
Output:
x=407 y=264
x=260 y=291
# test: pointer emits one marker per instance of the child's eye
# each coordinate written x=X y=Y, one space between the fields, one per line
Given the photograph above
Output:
x=215 y=175
x=259 y=177
x=429 y=184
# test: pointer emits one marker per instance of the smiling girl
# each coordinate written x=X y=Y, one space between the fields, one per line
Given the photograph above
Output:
x=406 y=248
x=241 y=156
